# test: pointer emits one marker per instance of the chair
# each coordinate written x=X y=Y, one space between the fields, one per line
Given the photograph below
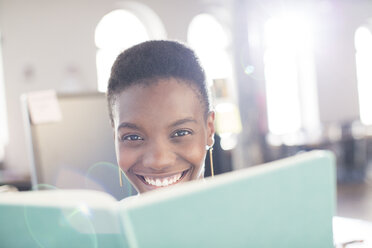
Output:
x=78 y=151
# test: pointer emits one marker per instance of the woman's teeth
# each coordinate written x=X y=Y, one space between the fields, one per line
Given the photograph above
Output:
x=164 y=181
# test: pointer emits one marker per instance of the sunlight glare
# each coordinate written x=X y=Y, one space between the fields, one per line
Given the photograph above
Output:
x=363 y=45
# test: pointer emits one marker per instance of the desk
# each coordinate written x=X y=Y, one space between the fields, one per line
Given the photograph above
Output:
x=22 y=183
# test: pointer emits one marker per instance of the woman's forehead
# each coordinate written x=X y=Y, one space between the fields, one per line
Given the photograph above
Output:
x=165 y=100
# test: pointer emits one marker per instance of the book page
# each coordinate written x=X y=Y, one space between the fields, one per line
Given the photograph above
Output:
x=59 y=198
x=85 y=211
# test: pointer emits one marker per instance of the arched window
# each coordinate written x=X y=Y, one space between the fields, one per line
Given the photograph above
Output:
x=121 y=29
x=291 y=90
x=212 y=45
x=210 y=41
x=116 y=31
x=3 y=115
x=363 y=56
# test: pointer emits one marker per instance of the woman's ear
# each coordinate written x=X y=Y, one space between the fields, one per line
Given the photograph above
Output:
x=210 y=128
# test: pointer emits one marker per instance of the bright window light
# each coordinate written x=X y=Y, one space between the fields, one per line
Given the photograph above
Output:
x=210 y=41
x=291 y=91
x=363 y=45
x=205 y=31
x=283 y=101
x=228 y=118
x=3 y=112
x=120 y=29
x=115 y=32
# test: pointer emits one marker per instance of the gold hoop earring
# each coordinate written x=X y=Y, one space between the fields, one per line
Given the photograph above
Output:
x=120 y=177
x=211 y=160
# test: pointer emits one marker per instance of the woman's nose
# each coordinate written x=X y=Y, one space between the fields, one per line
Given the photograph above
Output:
x=159 y=156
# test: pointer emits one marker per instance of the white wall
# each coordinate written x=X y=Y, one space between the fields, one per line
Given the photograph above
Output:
x=43 y=40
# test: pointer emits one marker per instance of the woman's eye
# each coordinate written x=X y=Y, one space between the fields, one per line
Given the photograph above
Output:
x=181 y=133
x=132 y=137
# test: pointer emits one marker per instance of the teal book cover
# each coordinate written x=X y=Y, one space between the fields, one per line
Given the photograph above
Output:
x=286 y=203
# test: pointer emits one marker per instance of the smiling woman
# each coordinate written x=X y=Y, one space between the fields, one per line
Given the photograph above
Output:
x=160 y=112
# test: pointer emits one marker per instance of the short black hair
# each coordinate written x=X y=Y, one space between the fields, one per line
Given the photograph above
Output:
x=150 y=61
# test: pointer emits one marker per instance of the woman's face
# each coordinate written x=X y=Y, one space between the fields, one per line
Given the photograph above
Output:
x=161 y=134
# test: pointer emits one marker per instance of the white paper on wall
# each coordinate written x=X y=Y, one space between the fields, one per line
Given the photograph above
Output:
x=43 y=107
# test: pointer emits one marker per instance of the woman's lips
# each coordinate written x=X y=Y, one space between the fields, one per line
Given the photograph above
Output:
x=163 y=181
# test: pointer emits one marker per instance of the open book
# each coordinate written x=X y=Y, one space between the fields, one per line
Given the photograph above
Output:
x=287 y=203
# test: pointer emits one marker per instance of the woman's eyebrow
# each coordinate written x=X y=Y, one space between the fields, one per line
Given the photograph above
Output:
x=183 y=121
x=128 y=125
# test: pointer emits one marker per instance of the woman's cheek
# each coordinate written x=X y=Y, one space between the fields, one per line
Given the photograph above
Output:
x=127 y=158
x=195 y=154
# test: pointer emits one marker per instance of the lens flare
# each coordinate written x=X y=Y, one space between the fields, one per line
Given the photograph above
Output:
x=52 y=225
x=104 y=176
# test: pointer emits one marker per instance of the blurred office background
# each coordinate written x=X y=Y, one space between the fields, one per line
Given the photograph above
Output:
x=286 y=76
